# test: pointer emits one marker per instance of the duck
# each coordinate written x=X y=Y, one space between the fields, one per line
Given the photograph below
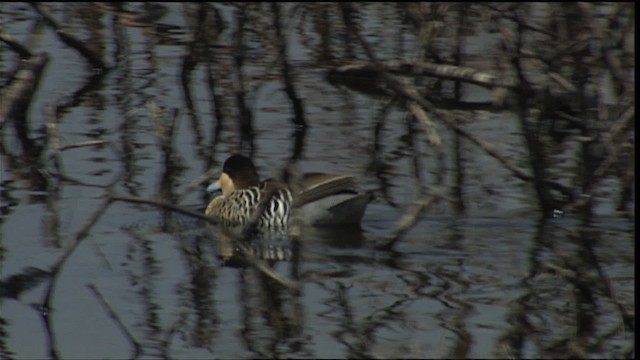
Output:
x=322 y=199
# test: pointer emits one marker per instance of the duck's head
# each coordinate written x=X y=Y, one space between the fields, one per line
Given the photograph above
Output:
x=238 y=172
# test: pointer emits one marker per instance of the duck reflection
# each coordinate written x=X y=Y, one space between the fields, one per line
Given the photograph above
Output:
x=277 y=245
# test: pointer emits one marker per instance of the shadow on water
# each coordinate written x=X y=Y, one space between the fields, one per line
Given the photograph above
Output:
x=498 y=140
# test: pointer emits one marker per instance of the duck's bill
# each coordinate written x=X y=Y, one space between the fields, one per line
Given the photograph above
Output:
x=214 y=187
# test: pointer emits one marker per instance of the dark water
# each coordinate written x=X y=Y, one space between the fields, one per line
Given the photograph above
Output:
x=496 y=277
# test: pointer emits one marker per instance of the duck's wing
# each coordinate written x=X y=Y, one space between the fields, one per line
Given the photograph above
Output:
x=214 y=206
x=326 y=199
x=338 y=209
x=316 y=186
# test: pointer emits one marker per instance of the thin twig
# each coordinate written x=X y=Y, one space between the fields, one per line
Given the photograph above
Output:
x=112 y=314
x=81 y=234
x=161 y=204
x=83 y=144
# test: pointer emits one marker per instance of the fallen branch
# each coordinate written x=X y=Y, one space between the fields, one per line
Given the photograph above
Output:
x=442 y=71
x=411 y=93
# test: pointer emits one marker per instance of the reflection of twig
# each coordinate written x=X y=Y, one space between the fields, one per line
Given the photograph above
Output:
x=27 y=279
x=163 y=132
x=15 y=96
x=14 y=44
x=53 y=139
x=408 y=220
x=604 y=40
x=245 y=115
x=74 y=43
x=583 y=279
x=55 y=271
x=377 y=160
x=82 y=233
x=112 y=314
x=612 y=141
x=281 y=44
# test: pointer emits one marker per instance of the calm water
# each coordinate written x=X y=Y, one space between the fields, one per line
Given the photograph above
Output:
x=496 y=280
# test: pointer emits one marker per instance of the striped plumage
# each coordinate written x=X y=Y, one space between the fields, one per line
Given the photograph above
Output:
x=324 y=199
x=238 y=207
